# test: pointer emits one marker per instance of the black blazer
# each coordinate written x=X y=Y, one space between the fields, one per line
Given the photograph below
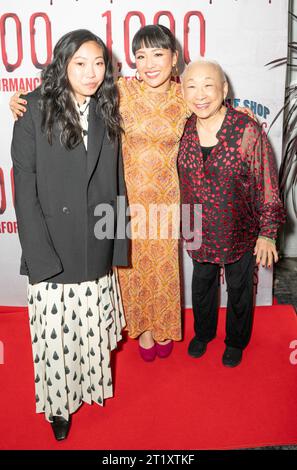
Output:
x=56 y=192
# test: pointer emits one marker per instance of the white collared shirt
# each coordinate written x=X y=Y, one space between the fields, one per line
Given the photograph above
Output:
x=83 y=111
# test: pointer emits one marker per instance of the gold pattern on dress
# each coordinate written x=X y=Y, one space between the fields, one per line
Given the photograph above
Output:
x=153 y=124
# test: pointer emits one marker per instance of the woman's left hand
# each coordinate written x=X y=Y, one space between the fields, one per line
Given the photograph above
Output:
x=265 y=252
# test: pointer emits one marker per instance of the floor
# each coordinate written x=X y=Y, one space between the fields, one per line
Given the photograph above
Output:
x=285 y=291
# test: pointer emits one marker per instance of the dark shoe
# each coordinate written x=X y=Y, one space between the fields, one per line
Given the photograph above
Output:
x=196 y=348
x=232 y=356
x=60 y=427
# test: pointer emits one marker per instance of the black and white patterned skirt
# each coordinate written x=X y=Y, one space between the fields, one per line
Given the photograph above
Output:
x=73 y=329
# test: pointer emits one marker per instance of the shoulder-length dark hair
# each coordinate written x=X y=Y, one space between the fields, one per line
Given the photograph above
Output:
x=57 y=105
x=156 y=36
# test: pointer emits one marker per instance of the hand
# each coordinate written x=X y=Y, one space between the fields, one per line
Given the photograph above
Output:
x=247 y=111
x=266 y=252
x=16 y=104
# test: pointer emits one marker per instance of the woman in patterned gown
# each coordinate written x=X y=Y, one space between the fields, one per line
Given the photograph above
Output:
x=153 y=114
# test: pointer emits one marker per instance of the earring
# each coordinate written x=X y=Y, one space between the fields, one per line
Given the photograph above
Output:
x=137 y=76
x=174 y=71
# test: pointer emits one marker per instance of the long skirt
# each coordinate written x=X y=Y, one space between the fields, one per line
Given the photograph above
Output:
x=151 y=290
x=74 y=327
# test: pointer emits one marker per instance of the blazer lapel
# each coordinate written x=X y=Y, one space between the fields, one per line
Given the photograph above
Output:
x=96 y=133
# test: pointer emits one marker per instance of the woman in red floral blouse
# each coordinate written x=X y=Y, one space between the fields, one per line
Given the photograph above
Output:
x=226 y=166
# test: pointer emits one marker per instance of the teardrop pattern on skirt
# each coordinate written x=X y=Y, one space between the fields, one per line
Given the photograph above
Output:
x=73 y=329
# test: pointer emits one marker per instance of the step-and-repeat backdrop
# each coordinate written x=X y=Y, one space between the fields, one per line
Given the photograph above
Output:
x=243 y=35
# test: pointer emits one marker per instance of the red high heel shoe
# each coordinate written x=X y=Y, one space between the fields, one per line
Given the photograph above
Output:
x=148 y=355
x=164 y=350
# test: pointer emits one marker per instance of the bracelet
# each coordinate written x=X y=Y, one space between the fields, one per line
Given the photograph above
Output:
x=267 y=239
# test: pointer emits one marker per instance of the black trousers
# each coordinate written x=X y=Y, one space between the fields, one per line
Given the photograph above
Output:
x=205 y=299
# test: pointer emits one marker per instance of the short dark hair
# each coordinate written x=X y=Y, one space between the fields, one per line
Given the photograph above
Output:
x=156 y=36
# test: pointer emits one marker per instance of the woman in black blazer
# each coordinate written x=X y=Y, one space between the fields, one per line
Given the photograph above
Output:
x=70 y=205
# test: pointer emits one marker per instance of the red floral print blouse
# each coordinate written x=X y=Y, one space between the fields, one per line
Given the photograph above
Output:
x=237 y=188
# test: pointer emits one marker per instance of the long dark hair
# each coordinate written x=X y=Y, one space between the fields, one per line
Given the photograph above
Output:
x=57 y=105
x=156 y=36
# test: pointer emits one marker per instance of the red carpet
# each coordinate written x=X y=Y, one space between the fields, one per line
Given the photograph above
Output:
x=176 y=403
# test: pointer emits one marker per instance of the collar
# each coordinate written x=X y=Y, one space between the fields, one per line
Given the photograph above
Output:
x=230 y=118
x=82 y=108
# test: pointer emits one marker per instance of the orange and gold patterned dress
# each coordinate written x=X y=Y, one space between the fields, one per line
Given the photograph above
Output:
x=153 y=124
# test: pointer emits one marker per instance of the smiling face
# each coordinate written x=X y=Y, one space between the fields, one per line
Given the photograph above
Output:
x=86 y=70
x=204 y=89
x=155 y=66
